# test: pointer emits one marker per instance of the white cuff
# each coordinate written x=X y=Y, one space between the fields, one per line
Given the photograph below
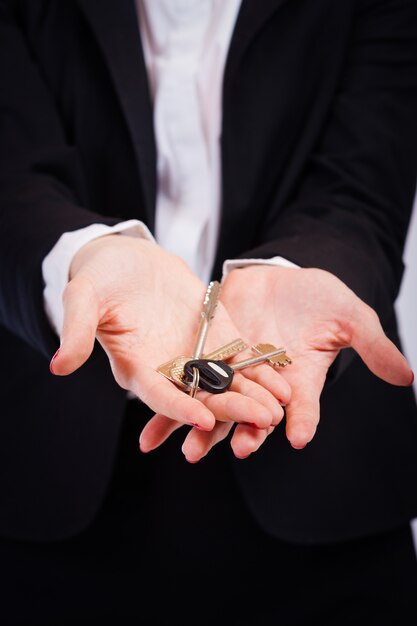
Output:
x=232 y=264
x=56 y=264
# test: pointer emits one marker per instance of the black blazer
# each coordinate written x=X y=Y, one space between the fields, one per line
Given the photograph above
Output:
x=319 y=162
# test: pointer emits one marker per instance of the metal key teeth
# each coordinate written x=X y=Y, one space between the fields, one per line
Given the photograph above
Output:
x=227 y=351
x=282 y=359
x=211 y=298
x=174 y=366
x=177 y=370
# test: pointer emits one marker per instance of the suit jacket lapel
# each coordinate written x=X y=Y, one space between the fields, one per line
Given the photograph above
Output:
x=251 y=17
x=115 y=26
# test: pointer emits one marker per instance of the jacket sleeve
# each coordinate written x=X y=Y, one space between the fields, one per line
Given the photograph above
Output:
x=353 y=202
x=41 y=186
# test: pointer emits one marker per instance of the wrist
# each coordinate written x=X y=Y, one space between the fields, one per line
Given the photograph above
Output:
x=88 y=250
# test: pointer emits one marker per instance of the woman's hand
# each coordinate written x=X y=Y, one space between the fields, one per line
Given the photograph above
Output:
x=313 y=315
x=143 y=306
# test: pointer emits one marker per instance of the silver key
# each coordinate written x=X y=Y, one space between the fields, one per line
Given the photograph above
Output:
x=209 y=307
x=217 y=376
x=173 y=369
x=263 y=356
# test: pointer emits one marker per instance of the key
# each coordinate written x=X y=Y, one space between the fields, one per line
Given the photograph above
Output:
x=227 y=351
x=209 y=307
x=217 y=376
x=174 y=368
x=282 y=359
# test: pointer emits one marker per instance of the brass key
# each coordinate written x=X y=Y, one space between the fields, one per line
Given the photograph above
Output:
x=281 y=359
x=174 y=368
x=227 y=351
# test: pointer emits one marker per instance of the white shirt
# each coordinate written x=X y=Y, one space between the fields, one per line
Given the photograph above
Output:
x=185 y=45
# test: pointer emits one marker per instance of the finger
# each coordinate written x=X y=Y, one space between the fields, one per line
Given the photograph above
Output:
x=250 y=389
x=163 y=397
x=377 y=351
x=303 y=411
x=156 y=431
x=270 y=379
x=245 y=402
x=198 y=444
x=246 y=440
x=79 y=327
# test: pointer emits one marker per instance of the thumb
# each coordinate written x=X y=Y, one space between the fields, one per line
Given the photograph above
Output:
x=79 y=328
x=378 y=352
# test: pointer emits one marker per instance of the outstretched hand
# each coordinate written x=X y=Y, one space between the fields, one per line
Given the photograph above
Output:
x=313 y=315
x=142 y=304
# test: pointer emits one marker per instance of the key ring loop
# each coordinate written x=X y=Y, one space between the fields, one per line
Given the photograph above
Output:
x=195 y=382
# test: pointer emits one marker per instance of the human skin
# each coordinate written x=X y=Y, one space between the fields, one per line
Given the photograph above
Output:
x=142 y=304
x=318 y=317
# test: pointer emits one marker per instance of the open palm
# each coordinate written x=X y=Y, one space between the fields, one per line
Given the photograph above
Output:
x=143 y=304
x=313 y=315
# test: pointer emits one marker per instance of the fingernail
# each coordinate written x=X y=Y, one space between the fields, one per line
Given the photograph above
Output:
x=412 y=379
x=191 y=462
x=200 y=427
x=242 y=457
x=51 y=364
